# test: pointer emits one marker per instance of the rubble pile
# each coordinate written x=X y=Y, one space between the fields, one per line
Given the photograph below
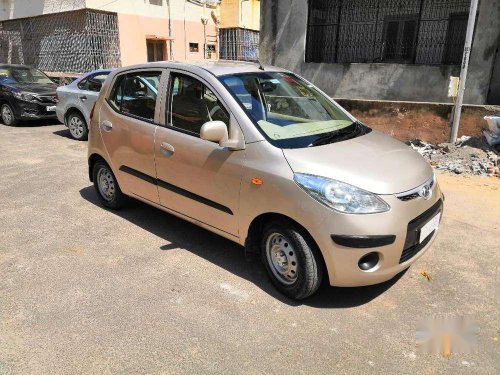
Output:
x=468 y=156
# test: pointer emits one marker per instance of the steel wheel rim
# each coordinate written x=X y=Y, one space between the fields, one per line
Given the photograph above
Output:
x=106 y=184
x=7 y=115
x=282 y=258
x=75 y=126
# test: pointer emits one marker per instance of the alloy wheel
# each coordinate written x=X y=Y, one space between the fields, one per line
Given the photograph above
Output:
x=7 y=115
x=76 y=127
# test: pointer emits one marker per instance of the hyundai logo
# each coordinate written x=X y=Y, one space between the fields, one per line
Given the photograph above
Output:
x=425 y=192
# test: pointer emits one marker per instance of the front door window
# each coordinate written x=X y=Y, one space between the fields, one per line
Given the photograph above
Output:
x=192 y=104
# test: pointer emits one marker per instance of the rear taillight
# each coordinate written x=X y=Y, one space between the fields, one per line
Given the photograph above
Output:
x=92 y=113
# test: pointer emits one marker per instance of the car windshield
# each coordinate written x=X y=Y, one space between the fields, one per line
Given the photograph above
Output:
x=28 y=75
x=290 y=112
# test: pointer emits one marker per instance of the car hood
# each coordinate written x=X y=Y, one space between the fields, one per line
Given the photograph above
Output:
x=374 y=162
x=35 y=88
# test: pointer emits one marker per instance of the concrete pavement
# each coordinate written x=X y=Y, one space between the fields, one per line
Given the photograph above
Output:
x=86 y=290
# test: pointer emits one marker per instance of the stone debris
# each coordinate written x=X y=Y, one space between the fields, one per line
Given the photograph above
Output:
x=468 y=156
x=492 y=134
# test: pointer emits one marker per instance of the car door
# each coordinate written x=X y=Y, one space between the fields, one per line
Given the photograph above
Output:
x=197 y=178
x=87 y=92
x=127 y=121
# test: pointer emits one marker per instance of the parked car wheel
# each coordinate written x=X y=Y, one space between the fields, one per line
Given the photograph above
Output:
x=8 y=117
x=106 y=186
x=77 y=126
x=292 y=261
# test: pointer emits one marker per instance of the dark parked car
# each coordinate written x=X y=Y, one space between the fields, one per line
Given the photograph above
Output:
x=25 y=93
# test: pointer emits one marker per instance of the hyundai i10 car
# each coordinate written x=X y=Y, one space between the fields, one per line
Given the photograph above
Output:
x=264 y=158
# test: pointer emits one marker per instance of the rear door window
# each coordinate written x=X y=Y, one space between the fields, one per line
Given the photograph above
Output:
x=135 y=94
x=89 y=83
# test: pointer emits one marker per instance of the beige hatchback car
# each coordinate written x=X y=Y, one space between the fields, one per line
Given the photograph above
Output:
x=264 y=158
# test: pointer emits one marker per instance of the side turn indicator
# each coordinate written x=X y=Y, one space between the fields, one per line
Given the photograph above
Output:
x=257 y=181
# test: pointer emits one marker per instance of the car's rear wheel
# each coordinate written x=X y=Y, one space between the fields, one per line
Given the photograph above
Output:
x=106 y=186
x=77 y=126
x=7 y=113
x=291 y=259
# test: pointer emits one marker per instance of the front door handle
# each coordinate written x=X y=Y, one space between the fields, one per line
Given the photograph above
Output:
x=166 y=149
x=106 y=125
x=83 y=98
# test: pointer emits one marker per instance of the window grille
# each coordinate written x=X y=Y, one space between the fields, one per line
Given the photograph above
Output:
x=395 y=31
x=238 y=44
x=75 y=41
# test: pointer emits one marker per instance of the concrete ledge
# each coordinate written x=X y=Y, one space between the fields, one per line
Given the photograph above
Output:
x=410 y=120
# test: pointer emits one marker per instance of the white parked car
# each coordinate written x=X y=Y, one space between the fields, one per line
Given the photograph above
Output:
x=76 y=101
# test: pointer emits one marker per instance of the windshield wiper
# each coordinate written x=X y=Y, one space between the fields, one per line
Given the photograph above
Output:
x=336 y=134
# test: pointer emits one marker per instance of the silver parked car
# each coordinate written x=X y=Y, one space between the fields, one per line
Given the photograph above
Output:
x=76 y=101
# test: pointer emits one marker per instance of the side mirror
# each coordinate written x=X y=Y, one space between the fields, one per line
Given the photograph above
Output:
x=214 y=131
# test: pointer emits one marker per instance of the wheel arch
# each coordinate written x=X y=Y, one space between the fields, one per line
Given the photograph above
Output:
x=94 y=158
x=257 y=225
x=6 y=99
x=71 y=110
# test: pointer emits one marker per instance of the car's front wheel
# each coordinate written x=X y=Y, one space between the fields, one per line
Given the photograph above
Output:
x=291 y=259
x=77 y=126
x=7 y=113
x=106 y=186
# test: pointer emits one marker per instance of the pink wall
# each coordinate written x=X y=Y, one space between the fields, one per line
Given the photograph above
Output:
x=134 y=30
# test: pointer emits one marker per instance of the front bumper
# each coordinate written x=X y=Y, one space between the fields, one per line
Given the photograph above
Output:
x=344 y=239
x=33 y=111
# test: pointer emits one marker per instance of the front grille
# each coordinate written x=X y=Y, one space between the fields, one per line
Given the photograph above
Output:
x=413 y=194
x=408 y=197
x=412 y=246
x=46 y=99
x=413 y=250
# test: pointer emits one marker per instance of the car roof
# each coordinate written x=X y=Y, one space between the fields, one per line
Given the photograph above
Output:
x=98 y=71
x=217 y=68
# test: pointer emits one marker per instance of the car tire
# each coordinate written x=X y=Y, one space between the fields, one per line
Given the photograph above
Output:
x=106 y=186
x=8 y=116
x=77 y=126
x=292 y=260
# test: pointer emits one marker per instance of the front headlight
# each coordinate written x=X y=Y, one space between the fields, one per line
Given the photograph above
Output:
x=25 y=96
x=340 y=196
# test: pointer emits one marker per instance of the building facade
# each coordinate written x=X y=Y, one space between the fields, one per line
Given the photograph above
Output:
x=239 y=30
x=81 y=35
x=384 y=49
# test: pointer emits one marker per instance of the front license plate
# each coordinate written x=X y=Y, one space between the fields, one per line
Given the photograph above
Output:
x=50 y=108
x=430 y=227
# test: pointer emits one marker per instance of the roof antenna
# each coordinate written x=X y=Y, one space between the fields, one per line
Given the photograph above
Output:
x=260 y=65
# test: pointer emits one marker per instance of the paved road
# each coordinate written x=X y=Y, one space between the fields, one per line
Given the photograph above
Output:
x=86 y=290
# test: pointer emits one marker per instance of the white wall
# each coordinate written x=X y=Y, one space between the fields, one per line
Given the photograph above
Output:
x=10 y=9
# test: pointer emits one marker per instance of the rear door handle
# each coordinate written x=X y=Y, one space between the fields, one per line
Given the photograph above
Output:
x=166 y=149
x=83 y=98
x=106 y=125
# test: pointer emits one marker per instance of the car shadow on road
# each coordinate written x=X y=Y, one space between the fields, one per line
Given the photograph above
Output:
x=63 y=133
x=180 y=234
x=36 y=123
